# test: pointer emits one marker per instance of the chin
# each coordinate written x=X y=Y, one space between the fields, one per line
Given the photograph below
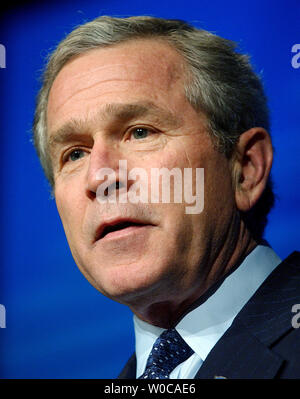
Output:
x=130 y=283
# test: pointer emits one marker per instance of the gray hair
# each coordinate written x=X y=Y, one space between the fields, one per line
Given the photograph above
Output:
x=219 y=82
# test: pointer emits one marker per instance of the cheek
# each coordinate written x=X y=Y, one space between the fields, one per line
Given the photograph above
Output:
x=218 y=201
x=70 y=209
x=199 y=153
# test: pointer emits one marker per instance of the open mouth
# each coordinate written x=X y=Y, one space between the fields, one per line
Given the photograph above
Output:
x=119 y=228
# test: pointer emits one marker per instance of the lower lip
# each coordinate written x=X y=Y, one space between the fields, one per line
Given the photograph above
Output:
x=125 y=232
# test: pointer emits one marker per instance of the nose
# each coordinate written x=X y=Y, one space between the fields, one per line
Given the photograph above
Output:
x=103 y=161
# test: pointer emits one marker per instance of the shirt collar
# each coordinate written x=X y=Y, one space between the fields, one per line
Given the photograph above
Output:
x=204 y=325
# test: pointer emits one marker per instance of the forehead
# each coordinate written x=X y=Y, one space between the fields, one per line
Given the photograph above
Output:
x=134 y=67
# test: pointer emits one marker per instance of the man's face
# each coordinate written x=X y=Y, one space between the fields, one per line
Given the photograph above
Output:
x=127 y=102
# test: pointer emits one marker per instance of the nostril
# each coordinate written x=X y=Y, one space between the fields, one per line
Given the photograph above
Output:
x=90 y=194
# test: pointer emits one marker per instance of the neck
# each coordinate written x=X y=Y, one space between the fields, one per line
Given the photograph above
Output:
x=167 y=313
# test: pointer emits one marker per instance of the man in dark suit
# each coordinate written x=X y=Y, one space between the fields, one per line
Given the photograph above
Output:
x=124 y=101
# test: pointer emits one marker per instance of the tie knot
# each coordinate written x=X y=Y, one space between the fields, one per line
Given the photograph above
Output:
x=168 y=351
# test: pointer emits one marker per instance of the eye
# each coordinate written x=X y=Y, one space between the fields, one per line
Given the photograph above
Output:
x=140 y=133
x=75 y=155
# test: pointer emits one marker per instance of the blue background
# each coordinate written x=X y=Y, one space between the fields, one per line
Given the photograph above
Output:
x=57 y=324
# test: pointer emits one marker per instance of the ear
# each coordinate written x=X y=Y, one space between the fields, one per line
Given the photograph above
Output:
x=252 y=164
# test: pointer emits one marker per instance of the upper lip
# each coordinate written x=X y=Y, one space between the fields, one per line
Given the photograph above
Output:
x=105 y=226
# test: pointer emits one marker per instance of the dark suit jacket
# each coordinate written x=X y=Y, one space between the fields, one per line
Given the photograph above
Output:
x=261 y=342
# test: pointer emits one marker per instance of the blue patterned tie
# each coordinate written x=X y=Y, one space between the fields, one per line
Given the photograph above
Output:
x=168 y=351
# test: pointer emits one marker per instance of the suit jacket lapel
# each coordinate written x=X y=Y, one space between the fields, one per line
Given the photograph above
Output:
x=245 y=350
x=239 y=354
x=129 y=370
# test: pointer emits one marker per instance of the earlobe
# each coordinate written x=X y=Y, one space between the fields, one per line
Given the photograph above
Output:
x=252 y=165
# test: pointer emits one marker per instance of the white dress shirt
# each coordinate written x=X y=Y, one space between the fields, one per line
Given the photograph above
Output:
x=204 y=326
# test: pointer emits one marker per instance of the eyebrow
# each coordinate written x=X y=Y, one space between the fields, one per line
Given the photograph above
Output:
x=75 y=128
